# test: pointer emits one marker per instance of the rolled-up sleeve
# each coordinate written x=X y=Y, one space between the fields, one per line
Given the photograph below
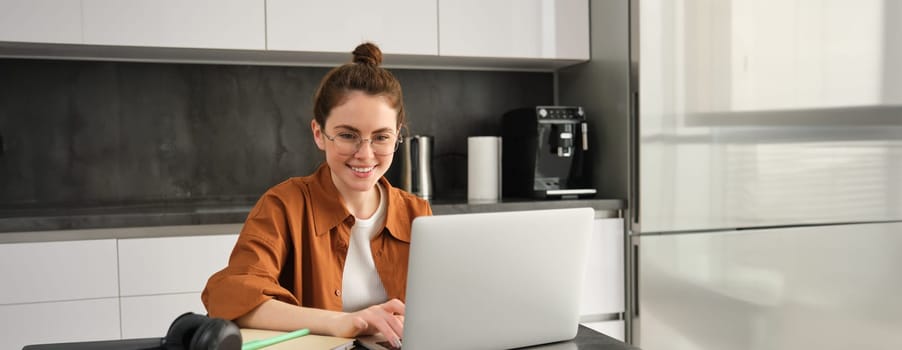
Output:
x=252 y=275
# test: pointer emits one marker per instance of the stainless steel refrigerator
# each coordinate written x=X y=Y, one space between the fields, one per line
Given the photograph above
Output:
x=759 y=144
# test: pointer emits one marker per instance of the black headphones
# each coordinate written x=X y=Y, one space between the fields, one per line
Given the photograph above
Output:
x=191 y=331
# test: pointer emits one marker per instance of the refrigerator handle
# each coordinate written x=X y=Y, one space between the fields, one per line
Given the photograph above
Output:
x=635 y=294
x=631 y=316
x=633 y=181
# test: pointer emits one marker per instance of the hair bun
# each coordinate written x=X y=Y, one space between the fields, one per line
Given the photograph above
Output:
x=368 y=53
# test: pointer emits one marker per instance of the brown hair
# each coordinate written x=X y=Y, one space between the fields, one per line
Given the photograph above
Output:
x=362 y=74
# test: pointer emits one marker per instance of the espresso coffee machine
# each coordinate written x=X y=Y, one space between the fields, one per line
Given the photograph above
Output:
x=545 y=152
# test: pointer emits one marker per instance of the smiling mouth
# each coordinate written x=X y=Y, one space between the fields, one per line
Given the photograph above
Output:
x=363 y=170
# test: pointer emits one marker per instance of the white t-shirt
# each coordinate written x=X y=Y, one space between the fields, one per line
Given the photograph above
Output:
x=360 y=283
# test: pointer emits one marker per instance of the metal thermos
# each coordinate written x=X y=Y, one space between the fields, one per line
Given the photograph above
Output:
x=416 y=165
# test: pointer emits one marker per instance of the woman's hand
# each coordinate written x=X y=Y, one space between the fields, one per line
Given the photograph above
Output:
x=386 y=318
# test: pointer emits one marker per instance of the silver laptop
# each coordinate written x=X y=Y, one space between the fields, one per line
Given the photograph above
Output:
x=494 y=280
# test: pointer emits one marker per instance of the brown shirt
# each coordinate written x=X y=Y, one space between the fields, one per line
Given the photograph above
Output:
x=294 y=244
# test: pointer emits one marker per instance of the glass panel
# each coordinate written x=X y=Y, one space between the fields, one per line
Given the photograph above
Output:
x=769 y=112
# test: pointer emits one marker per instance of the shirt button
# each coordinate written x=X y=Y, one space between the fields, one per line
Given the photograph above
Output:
x=338 y=292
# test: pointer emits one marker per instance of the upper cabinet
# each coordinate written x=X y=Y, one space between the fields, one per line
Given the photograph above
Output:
x=41 y=21
x=397 y=26
x=210 y=24
x=493 y=34
x=550 y=29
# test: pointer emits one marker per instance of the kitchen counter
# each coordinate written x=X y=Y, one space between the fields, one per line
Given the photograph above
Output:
x=614 y=206
x=195 y=218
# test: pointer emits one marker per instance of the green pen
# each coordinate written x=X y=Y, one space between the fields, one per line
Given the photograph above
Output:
x=262 y=343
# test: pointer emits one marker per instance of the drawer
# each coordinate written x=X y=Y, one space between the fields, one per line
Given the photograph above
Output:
x=57 y=271
x=150 y=316
x=59 y=322
x=165 y=265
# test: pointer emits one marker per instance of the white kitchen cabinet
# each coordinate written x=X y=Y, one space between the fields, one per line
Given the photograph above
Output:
x=604 y=284
x=151 y=266
x=150 y=316
x=58 y=322
x=41 y=21
x=397 y=26
x=541 y=35
x=550 y=29
x=214 y=24
x=614 y=329
x=55 y=271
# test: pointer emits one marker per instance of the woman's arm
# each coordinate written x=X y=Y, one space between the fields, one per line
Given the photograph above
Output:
x=385 y=318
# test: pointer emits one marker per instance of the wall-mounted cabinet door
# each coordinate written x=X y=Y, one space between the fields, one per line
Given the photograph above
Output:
x=41 y=21
x=215 y=24
x=397 y=26
x=552 y=29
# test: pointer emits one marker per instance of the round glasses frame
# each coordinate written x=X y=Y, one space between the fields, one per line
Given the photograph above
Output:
x=357 y=142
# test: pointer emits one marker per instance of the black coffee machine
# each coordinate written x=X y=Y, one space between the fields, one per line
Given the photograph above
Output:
x=545 y=153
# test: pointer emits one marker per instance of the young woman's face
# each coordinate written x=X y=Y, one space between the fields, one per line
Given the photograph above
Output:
x=358 y=166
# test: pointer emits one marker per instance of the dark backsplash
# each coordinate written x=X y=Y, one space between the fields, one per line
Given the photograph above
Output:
x=78 y=133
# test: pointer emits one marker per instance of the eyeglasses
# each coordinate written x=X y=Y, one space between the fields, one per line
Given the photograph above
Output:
x=348 y=143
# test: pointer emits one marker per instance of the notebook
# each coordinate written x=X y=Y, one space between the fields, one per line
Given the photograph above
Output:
x=494 y=280
x=309 y=341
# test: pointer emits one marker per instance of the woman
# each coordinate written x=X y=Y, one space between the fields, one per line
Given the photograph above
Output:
x=329 y=251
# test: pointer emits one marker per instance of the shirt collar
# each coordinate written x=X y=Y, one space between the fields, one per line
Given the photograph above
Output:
x=329 y=210
x=397 y=220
